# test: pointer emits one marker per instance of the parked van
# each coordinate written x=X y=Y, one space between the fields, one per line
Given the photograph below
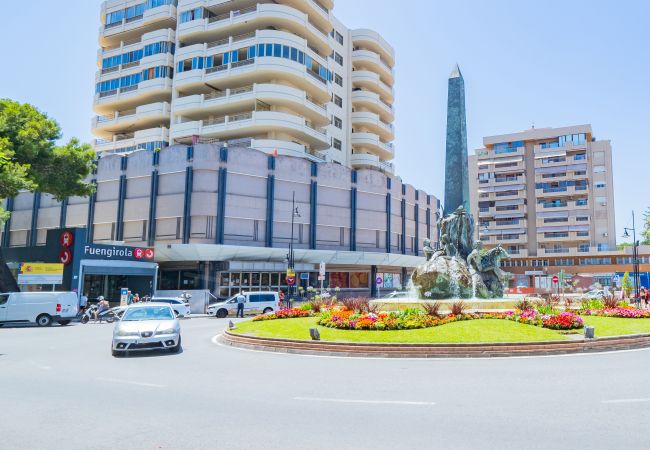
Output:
x=41 y=308
x=260 y=302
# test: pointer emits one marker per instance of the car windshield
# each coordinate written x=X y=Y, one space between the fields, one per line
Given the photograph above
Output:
x=148 y=313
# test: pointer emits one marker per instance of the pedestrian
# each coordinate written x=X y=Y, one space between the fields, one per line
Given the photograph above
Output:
x=281 y=296
x=240 y=304
x=644 y=296
x=83 y=302
x=136 y=298
x=129 y=298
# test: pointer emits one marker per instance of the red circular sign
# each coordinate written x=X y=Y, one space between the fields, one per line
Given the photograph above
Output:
x=291 y=281
x=138 y=253
x=555 y=279
x=65 y=256
x=66 y=239
x=148 y=253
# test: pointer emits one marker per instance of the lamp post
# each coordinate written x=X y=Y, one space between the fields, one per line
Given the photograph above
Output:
x=290 y=257
x=635 y=259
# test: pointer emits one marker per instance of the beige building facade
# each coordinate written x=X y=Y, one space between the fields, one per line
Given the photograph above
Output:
x=282 y=77
x=544 y=192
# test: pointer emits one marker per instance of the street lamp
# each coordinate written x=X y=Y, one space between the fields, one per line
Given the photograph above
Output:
x=635 y=259
x=294 y=213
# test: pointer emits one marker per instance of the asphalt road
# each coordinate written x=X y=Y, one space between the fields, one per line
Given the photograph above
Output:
x=61 y=389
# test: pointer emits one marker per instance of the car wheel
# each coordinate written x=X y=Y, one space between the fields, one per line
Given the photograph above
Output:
x=44 y=320
x=64 y=322
x=84 y=319
x=268 y=310
x=177 y=347
x=222 y=313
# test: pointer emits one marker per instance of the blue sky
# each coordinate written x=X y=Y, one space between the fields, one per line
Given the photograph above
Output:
x=551 y=63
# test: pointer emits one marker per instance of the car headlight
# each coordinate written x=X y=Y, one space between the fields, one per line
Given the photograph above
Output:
x=166 y=331
x=120 y=332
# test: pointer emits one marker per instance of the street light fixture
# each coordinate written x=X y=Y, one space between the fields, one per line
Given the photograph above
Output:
x=635 y=259
x=290 y=263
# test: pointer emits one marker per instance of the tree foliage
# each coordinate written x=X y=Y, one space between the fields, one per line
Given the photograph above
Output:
x=626 y=284
x=646 y=228
x=31 y=159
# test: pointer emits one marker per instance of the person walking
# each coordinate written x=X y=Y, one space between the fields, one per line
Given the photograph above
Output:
x=240 y=304
x=83 y=302
x=644 y=297
x=136 y=298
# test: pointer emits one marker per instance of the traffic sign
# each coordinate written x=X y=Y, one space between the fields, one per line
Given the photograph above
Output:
x=616 y=278
x=291 y=280
x=321 y=269
x=555 y=279
x=379 y=281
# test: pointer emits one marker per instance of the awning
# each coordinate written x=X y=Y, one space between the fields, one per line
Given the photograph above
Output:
x=515 y=201
x=550 y=154
x=514 y=215
x=102 y=267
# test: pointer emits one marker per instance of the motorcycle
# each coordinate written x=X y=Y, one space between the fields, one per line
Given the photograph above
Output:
x=109 y=315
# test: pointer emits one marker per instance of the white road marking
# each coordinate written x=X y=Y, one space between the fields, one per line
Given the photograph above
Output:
x=215 y=341
x=628 y=400
x=134 y=383
x=369 y=402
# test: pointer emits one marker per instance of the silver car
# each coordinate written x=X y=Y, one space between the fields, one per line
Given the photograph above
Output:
x=147 y=326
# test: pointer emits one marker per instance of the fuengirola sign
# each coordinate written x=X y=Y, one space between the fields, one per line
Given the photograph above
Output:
x=98 y=251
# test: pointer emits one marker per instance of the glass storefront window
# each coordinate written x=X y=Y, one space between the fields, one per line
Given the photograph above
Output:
x=359 y=280
x=255 y=279
x=235 y=279
x=245 y=279
x=190 y=279
x=283 y=279
x=168 y=280
x=275 y=279
x=266 y=277
x=339 y=280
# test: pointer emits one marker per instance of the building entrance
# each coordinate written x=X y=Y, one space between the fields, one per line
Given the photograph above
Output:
x=109 y=286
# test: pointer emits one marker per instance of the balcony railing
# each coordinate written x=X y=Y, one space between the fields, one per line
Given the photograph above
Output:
x=213 y=44
x=131 y=88
x=245 y=62
x=216 y=68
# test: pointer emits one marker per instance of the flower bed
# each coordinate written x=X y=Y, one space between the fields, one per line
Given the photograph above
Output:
x=284 y=314
x=408 y=320
x=626 y=312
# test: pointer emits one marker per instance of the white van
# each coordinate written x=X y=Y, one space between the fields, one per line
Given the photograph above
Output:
x=260 y=302
x=41 y=308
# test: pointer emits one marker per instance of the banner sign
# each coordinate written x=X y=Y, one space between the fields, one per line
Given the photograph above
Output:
x=117 y=252
x=40 y=273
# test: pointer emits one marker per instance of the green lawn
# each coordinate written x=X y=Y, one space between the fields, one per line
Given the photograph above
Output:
x=481 y=330
x=616 y=326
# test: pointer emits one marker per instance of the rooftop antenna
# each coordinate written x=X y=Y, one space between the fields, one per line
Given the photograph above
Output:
x=533 y=126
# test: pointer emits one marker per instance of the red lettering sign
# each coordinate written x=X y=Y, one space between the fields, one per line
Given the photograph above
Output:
x=65 y=256
x=66 y=239
x=138 y=253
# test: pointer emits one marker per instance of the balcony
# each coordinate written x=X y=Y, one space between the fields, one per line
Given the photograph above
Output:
x=373 y=102
x=160 y=59
x=254 y=123
x=371 y=81
x=369 y=121
x=130 y=97
x=129 y=29
x=166 y=35
x=369 y=60
x=371 y=142
x=254 y=18
x=365 y=160
x=374 y=41
x=142 y=117
x=130 y=141
x=561 y=191
x=251 y=71
x=491 y=155
x=572 y=236
x=246 y=98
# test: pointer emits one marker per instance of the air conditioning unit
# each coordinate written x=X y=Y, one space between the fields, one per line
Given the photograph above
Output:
x=605 y=234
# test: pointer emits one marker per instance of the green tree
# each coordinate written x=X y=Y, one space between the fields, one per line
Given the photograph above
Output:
x=626 y=284
x=646 y=228
x=30 y=159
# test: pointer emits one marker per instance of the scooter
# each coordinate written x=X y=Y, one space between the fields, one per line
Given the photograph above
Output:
x=109 y=315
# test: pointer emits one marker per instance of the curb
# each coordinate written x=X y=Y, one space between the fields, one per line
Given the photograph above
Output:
x=464 y=350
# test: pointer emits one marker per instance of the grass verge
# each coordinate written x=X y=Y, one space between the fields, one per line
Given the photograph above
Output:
x=617 y=326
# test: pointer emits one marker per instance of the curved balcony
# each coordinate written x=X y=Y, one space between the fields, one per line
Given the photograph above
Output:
x=316 y=10
x=150 y=20
x=286 y=148
x=371 y=100
x=366 y=160
x=372 y=40
x=372 y=143
x=250 y=19
x=129 y=141
x=160 y=59
x=369 y=60
x=252 y=124
x=251 y=71
x=121 y=47
x=149 y=91
x=373 y=123
x=245 y=98
x=371 y=81
x=142 y=117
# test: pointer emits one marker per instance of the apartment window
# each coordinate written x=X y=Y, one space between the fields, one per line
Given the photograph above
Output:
x=336 y=144
x=338 y=79
x=507 y=147
x=602 y=201
x=294 y=54
x=564 y=262
x=580 y=157
x=339 y=37
x=582 y=233
x=556 y=235
x=580 y=172
x=507 y=193
x=504 y=165
x=484 y=195
x=599 y=169
x=601 y=185
x=508 y=208
x=338 y=101
x=192 y=14
x=581 y=202
x=555 y=159
x=582 y=218
x=338 y=58
x=338 y=123
x=554 y=175
x=556 y=220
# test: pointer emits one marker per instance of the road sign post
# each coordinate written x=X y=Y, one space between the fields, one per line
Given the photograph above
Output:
x=321 y=276
x=379 y=281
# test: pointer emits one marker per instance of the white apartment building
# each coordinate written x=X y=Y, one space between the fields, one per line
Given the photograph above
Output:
x=281 y=76
x=544 y=192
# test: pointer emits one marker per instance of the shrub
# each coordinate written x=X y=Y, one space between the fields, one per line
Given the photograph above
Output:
x=610 y=302
x=563 y=321
x=592 y=303
x=432 y=309
x=524 y=304
x=283 y=314
x=318 y=303
x=458 y=308
x=307 y=306
x=568 y=303
x=358 y=304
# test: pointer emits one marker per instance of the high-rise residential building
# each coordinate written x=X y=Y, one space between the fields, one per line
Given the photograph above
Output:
x=544 y=192
x=281 y=76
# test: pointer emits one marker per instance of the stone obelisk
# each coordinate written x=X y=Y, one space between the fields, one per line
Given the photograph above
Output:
x=456 y=173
